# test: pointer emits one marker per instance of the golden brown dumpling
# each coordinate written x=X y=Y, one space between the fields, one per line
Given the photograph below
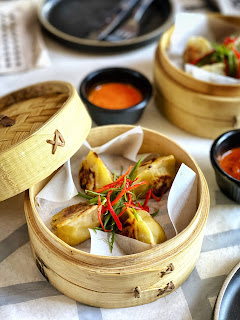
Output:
x=196 y=48
x=144 y=228
x=218 y=68
x=93 y=173
x=158 y=172
x=72 y=223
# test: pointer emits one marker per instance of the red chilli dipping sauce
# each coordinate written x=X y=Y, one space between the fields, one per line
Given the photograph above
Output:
x=230 y=162
x=115 y=95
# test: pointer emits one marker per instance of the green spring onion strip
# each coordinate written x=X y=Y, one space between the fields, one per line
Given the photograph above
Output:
x=132 y=174
x=93 y=193
x=112 y=241
x=135 y=214
x=94 y=200
x=154 y=213
x=143 y=193
x=106 y=220
x=83 y=195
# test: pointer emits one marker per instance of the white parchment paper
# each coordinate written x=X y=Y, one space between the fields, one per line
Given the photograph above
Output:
x=198 y=24
x=119 y=153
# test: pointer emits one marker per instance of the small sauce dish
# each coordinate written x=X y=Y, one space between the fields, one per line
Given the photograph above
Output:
x=115 y=95
x=225 y=160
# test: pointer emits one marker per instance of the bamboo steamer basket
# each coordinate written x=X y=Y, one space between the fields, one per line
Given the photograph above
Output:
x=116 y=282
x=202 y=108
x=48 y=117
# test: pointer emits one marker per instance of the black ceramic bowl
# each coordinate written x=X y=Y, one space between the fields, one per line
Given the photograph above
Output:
x=112 y=116
x=229 y=185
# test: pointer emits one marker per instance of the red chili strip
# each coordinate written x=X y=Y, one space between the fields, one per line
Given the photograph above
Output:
x=237 y=54
x=136 y=185
x=129 y=181
x=129 y=198
x=120 y=195
x=229 y=40
x=100 y=214
x=104 y=209
x=140 y=206
x=108 y=186
x=146 y=208
x=124 y=175
x=116 y=183
x=122 y=212
x=204 y=56
x=110 y=208
x=157 y=198
x=131 y=205
x=148 y=196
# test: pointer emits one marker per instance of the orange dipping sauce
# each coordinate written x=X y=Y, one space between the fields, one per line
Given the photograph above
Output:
x=230 y=162
x=115 y=95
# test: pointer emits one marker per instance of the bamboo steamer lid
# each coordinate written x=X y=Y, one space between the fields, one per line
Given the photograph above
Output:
x=41 y=127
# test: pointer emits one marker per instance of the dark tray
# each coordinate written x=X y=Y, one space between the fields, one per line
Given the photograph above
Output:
x=71 y=21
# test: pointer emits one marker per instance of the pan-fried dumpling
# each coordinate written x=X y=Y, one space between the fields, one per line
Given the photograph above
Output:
x=143 y=228
x=72 y=223
x=93 y=173
x=218 y=68
x=196 y=48
x=158 y=172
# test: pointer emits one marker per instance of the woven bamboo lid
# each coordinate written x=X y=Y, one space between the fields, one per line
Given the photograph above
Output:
x=41 y=127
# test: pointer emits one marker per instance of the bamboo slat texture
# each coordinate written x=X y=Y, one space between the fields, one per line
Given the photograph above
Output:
x=114 y=282
x=48 y=117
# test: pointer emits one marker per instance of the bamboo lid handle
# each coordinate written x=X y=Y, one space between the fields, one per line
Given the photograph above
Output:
x=163 y=289
x=168 y=269
x=168 y=287
x=58 y=141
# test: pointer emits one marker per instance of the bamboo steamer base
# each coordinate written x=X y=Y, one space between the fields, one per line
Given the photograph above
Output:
x=117 y=282
x=199 y=126
x=201 y=114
